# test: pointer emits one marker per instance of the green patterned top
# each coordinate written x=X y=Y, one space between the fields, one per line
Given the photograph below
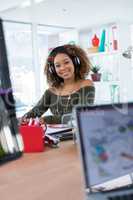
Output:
x=60 y=105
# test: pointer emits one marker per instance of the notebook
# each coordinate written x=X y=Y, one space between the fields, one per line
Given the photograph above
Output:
x=105 y=135
x=11 y=145
x=60 y=131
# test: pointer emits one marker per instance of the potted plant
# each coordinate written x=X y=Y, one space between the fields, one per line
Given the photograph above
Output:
x=96 y=76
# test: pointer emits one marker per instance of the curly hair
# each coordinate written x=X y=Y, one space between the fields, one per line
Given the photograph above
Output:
x=79 y=58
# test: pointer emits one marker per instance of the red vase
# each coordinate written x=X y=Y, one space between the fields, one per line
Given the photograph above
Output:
x=95 y=41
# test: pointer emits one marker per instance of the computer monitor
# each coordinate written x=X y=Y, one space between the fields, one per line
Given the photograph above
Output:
x=11 y=145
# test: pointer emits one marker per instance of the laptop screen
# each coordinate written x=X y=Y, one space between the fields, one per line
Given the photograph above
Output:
x=11 y=145
x=106 y=141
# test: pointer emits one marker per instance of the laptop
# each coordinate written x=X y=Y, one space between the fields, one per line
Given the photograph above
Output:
x=105 y=136
x=11 y=145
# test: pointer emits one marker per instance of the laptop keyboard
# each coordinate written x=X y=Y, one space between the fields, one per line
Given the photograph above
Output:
x=122 y=197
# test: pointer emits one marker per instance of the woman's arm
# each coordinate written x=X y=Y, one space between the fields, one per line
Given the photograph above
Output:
x=90 y=95
x=41 y=107
x=88 y=92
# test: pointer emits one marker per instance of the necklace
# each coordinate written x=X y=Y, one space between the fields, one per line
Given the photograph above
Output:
x=64 y=101
x=63 y=104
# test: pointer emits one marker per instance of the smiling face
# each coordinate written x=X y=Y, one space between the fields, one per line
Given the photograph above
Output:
x=64 y=66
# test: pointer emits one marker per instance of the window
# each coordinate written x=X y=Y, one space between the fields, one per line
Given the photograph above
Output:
x=42 y=38
x=19 y=46
x=28 y=47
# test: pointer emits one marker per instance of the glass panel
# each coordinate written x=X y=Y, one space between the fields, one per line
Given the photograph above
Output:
x=19 y=45
x=49 y=37
x=42 y=38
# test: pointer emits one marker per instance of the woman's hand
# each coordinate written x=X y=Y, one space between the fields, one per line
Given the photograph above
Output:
x=24 y=120
x=41 y=121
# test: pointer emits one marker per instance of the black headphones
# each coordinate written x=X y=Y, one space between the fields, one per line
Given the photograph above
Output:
x=75 y=59
x=51 y=68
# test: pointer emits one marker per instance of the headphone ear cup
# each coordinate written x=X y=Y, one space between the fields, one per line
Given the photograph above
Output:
x=51 y=69
x=77 y=61
x=53 y=73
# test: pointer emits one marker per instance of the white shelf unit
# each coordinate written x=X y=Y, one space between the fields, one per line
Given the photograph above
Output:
x=103 y=54
x=104 y=92
x=115 y=69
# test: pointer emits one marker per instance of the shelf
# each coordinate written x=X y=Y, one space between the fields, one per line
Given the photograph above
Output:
x=115 y=69
x=104 y=53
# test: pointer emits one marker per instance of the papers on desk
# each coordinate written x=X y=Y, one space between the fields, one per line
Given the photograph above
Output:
x=63 y=132
x=56 y=128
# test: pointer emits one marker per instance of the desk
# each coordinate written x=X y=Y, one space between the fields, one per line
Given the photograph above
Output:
x=51 y=175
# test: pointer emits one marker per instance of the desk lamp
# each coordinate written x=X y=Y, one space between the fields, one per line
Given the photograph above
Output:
x=128 y=53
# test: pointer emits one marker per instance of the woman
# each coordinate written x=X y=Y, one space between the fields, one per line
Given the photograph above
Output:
x=66 y=69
